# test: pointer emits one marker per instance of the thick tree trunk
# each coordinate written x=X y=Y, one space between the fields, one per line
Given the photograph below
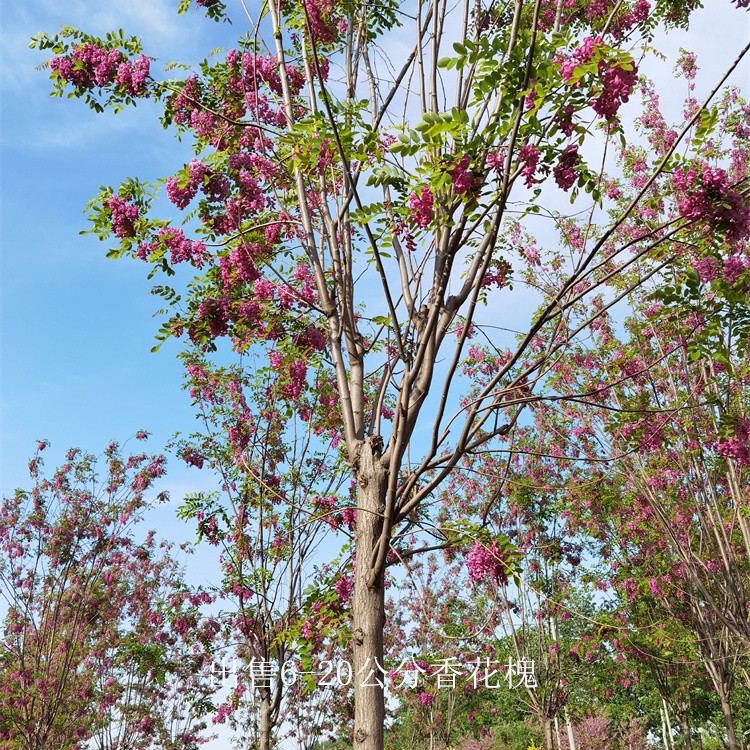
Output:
x=368 y=604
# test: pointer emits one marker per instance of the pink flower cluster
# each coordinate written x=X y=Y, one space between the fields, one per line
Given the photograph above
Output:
x=90 y=66
x=297 y=375
x=565 y=170
x=264 y=69
x=192 y=458
x=423 y=207
x=486 y=562
x=495 y=160
x=528 y=155
x=323 y=23
x=707 y=269
x=124 y=216
x=498 y=274
x=616 y=81
x=686 y=65
x=622 y=24
x=581 y=55
x=564 y=119
x=181 y=196
x=737 y=447
x=180 y=248
x=461 y=176
x=734 y=268
x=215 y=188
x=711 y=199
x=344 y=587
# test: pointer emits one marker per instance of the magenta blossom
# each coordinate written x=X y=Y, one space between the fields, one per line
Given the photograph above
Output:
x=423 y=207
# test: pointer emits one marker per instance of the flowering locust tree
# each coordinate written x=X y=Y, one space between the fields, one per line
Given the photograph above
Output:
x=359 y=174
x=103 y=644
x=277 y=499
x=658 y=451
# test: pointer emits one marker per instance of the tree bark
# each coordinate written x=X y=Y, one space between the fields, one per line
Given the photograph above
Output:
x=726 y=709
x=670 y=736
x=571 y=734
x=265 y=721
x=368 y=604
x=548 y=739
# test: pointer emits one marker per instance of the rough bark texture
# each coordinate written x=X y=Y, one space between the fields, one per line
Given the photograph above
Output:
x=368 y=605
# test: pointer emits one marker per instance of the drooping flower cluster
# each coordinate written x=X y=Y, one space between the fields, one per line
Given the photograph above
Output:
x=422 y=206
x=622 y=16
x=498 y=274
x=616 y=81
x=89 y=66
x=323 y=22
x=709 y=198
x=344 y=587
x=181 y=196
x=180 y=249
x=528 y=155
x=124 y=216
x=617 y=84
x=495 y=160
x=461 y=175
x=737 y=447
x=486 y=561
x=707 y=269
x=581 y=55
x=565 y=170
x=733 y=268
x=263 y=69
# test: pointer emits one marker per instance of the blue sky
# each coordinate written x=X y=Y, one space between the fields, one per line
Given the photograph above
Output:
x=76 y=327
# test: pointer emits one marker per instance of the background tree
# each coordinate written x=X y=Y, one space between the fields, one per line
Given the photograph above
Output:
x=279 y=492
x=103 y=642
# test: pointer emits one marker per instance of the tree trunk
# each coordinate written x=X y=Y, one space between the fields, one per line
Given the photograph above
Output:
x=726 y=709
x=663 y=728
x=368 y=605
x=687 y=739
x=266 y=726
x=571 y=735
x=670 y=736
x=548 y=740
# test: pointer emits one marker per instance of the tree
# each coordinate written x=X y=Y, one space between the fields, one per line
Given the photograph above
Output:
x=103 y=643
x=268 y=518
x=659 y=456
x=331 y=227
